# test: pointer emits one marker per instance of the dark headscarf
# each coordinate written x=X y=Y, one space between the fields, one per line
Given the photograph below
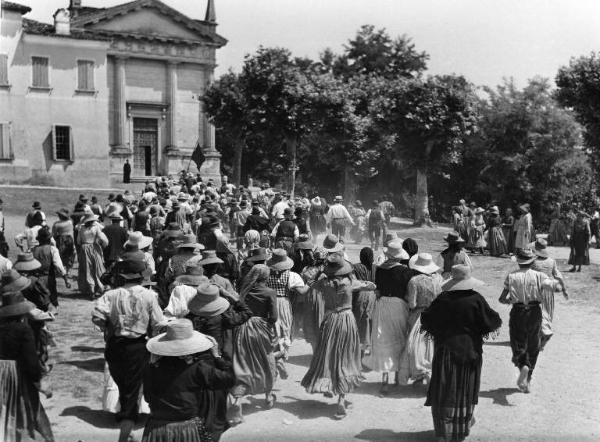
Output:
x=411 y=246
x=367 y=257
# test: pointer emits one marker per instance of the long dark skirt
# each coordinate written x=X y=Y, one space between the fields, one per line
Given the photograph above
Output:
x=91 y=268
x=363 y=304
x=22 y=416
x=335 y=366
x=453 y=393
x=192 y=430
x=497 y=242
x=127 y=359
x=253 y=359
x=66 y=250
x=314 y=311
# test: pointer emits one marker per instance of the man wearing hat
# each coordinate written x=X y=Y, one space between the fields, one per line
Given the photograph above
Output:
x=285 y=231
x=51 y=264
x=183 y=289
x=337 y=217
x=116 y=235
x=127 y=314
x=376 y=222
x=187 y=249
x=36 y=217
x=454 y=254
x=257 y=220
x=277 y=213
x=524 y=289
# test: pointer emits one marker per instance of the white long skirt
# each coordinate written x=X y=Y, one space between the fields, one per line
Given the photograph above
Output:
x=389 y=333
x=417 y=356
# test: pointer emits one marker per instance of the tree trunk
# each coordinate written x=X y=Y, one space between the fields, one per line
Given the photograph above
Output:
x=421 y=199
x=350 y=185
x=237 y=163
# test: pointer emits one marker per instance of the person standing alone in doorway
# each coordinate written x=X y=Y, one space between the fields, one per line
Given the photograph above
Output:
x=126 y=172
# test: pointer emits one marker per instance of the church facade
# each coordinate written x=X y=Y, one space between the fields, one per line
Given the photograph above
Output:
x=101 y=86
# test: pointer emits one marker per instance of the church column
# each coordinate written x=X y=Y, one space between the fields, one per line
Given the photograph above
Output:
x=208 y=130
x=120 y=107
x=172 y=96
x=211 y=168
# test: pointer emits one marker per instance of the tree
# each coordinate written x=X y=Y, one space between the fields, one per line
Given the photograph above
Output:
x=428 y=120
x=579 y=89
x=226 y=104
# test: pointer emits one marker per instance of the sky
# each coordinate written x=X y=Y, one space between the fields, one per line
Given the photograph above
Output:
x=484 y=40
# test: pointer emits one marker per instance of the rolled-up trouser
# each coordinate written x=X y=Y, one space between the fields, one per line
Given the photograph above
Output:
x=338 y=227
x=524 y=328
x=127 y=359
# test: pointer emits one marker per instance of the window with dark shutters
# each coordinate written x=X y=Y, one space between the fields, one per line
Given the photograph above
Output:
x=40 y=72
x=5 y=142
x=62 y=143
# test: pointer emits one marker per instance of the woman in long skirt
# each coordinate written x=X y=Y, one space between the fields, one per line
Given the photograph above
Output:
x=580 y=242
x=508 y=223
x=335 y=366
x=476 y=239
x=496 y=240
x=422 y=290
x=90 y=241
x=318 y=223
x=314 y=305
x=363 y=301
x=253 y=359
x=62 y=232
x=456 y=367
x=547 y=265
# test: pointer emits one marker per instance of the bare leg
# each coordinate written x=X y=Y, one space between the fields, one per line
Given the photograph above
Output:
x=238 y=418
x=384 y=384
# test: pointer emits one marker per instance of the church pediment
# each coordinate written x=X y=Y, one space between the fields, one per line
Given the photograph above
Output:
x=149 y=18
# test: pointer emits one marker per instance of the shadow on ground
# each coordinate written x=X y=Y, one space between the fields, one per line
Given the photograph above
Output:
x=380 y=434
x=98 y=418
x=96 y=364
x=498 y=343
x=499 y=396
x=300 y=408
x=87 y=349
x=301 y=360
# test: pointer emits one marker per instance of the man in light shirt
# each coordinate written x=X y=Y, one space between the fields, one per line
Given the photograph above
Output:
x=523 y=288
x=337 y=217
x=279 y=208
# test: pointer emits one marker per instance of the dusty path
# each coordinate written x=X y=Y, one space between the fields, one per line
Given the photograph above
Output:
x=563 y=406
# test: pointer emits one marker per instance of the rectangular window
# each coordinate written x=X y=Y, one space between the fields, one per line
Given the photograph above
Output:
x=40 y=72
x=85 y=75
x=5 y=146
x=62 y=143
x=3 y=69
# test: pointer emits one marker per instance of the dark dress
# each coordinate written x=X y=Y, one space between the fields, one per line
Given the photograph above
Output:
x=253 y=359
x=178 y=391
x=580 y=243
x=508 y=223
x=24 y=417
x=496 y=240
x=458 y=321
x=318 y=223
x=363 y=304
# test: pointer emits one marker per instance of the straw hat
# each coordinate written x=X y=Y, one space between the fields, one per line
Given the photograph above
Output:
x=338 y=199
x=207 y=301
x=137 y=239
x=394 y=250
x=89 y=217
x=461 y=279
x=63 y=214
x=332 y=244
x=453 y=238
x=210 y=257
x=191 y=280
x=423 y=262
x=180 y=339
x=336 y=265
x=12 y=281
x=525 y=207
x=14 y=304
x=479 y=210
x=495 y=210
x=540 y=247
x=113 y=213
x=182 y=196
x=26 y=263
x=525 y=256
x=256 y=255
x=280 y=261
x=172 y=231
x=189 y=242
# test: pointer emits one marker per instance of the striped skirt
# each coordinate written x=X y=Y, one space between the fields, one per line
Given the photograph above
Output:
x=253 y=359
x=91 y=268
x=22 y=416
x=314 y=312
x=388 y=335
x=192 y=430
x=335 y=366
x=283 y=326
x=547 y=304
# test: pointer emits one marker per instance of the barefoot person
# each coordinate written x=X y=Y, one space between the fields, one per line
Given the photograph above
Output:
x=524 y=289
x=458 y=320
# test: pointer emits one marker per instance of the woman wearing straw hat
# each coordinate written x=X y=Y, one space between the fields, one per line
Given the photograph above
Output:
x=458 y=320
x=422 y=289
x=62 y=232
x=23 y=416
x=284 y=281
x=186 y=367
x=335 y=366
x=543 y=263
x=90 y=242
x=126 y=315
x=253 y=359
x=496 y=241
x=524 y=290
x=476 y=239
x=523 y=228
x=187 y=249
x=390 y=317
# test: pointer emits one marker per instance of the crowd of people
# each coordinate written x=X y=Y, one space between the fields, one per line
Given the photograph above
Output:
x=200 y=292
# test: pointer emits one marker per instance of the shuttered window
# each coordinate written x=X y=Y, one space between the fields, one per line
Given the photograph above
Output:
x=3 y=69
x=5 y=146
x=62 y=143
x=40 y=72
x=85 y=75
